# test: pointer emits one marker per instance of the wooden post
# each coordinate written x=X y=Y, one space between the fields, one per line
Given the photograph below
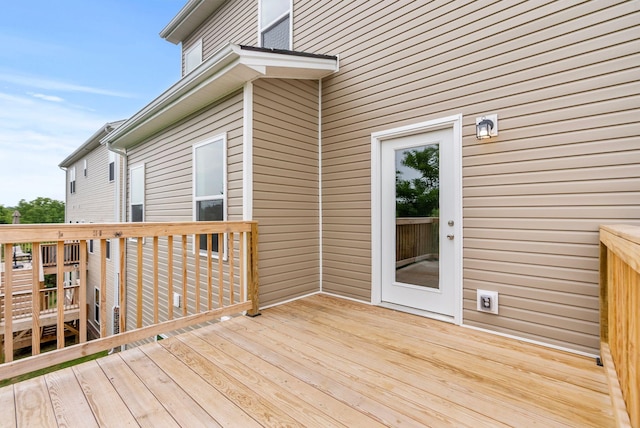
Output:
x=252 y=275
x=231 y=269
x=604 y=305
x=60 y=293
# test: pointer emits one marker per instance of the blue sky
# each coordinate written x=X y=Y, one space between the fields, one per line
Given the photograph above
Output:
x=66 y=68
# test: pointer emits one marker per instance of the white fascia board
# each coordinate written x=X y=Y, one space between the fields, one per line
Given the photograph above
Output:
x=226 y=71
x=194 y=13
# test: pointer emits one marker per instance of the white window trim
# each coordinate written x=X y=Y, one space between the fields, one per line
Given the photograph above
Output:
x=196 y=46
x=269 y=25
x=137 y=166
x=96 y=305
x=72 y=180
x=108 y=250
x=112 y=160
x=225 y=204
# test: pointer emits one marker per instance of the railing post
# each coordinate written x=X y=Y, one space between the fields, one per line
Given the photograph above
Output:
x=8 y=304
x=604 y=301
x=35 y=298
x=252 y=276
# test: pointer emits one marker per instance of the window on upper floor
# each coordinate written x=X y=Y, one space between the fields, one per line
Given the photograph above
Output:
x=108 y=250
x=209 y=185
x=72 y=179
x=136 y=193
x=84 y=169
x=275 y=24
x=193 y=57
x=112 y=166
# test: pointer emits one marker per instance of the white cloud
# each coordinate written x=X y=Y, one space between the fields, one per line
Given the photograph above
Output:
x=51 y=98
x=35 y=136
x=55 y=85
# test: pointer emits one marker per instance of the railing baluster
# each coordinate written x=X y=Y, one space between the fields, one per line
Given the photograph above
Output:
x=210 y=270
x=220 y=270
x=196 y=245
x=231 y=271
x=103 y=288
x=170 y=276
x=8 y=303
x=83 y=291
x=139 y=285
x=35 y=298
x=60 y=296
x=155 y=280
x=121 y=284
x=184 y=275
x=243 y=263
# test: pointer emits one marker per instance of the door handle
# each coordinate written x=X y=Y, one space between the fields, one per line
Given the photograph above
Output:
x=450 y=237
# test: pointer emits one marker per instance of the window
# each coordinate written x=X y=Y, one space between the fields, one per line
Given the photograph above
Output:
x=112 y=166
x=136 y=196
x=84 y=169
x=275 y=24
x=91 y=246
x=96 y=305
x=108 y=251
x=209 y=177
x=193 y=57
x=72 y=180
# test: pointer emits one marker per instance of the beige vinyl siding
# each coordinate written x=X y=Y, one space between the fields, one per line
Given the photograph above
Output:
x=285 y=187
x=563 y=79
x=235 y=22
x=169 y=194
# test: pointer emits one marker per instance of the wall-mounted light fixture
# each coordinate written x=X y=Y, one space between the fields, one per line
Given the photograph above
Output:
x=487 y=126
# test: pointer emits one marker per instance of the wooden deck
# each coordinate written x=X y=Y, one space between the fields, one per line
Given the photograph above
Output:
x=320 y=362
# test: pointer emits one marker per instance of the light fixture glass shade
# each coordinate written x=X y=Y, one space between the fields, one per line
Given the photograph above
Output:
x=483 y=129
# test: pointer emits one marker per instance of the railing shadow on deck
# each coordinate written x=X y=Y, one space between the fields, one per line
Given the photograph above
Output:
x=156 y=263
x=620 y=318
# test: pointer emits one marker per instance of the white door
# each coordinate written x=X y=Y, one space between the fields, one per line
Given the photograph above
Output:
x=420 y=206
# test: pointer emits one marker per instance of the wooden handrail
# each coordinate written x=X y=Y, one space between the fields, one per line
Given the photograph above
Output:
x=148 y=252
x=620 y=318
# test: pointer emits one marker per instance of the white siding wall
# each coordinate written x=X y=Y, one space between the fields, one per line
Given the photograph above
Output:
x=563 y=78
x=94 y=202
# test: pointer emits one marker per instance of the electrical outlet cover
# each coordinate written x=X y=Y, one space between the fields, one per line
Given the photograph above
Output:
x=487 y=298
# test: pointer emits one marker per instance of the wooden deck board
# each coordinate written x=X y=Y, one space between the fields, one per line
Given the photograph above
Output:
x=321 y=361
x=105 y=403
x=7 y=404
x=68 y=400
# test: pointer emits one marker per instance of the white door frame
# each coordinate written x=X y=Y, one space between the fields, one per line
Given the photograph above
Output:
x=455 y=123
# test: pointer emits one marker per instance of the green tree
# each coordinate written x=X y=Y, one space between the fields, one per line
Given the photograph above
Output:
x=5 y=214
x=41 y=210
x=419 y=197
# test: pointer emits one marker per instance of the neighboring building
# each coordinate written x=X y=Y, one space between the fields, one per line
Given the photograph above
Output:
x=93 y=174
x=312 y=147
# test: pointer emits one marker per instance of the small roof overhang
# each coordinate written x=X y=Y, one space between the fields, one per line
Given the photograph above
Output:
x=226 y=71
x=194 y=13
x=89 y=145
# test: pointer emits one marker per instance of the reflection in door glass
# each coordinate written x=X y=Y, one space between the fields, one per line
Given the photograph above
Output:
x=417 y=216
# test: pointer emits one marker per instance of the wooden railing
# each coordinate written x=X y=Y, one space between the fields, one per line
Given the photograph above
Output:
x=156 y=260
x=620 y=318
x=416 y=239
x=50 y=253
